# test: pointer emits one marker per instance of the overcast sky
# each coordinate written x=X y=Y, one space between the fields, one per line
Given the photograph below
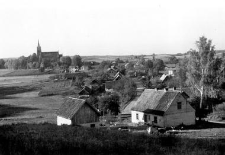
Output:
x=103 y=27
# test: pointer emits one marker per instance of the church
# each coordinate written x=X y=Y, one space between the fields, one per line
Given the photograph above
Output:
x=52 y=56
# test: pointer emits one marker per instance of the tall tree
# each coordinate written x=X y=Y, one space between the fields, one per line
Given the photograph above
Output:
x=65 y=61
x=201 y=70
x=2 y=63
x=77 y=61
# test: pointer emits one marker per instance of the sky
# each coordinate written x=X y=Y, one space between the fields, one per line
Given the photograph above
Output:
x=109 y=27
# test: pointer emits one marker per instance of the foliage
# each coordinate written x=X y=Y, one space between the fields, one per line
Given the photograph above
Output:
x=2 y=63
x=65 y=61
x=104 y=65
x=77 y=61
x=173 y=60
x=126 y=89
x=202 y=70
x=109 y=104
x=50 y=139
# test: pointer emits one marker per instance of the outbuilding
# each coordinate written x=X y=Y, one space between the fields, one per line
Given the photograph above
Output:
x=76 y=111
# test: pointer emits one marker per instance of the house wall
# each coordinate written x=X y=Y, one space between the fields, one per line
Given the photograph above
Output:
x=149 y=118
x=134 y=117
x=85 y=115
x=174 y=116
x=180 y=118
x=62 y=120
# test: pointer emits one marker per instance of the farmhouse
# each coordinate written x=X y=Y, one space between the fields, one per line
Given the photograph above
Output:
x=76 y=112
x=163 y=108
x=171 y=69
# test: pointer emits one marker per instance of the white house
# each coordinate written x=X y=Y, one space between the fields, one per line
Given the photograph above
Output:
x=163 y=108
x=76 y=112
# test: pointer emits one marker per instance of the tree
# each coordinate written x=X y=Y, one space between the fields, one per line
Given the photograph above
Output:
x=65 y=61
x=201 y=68
x=109 y=104
x=2 y=63
x=173 y=60
x=77 y=61
x=126 y=88
x=22 y=62
x=33 y=58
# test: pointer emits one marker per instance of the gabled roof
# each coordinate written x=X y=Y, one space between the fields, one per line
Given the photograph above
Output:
x=127 y=108
x=71 y=106
x=156 y=101
x=85 y=89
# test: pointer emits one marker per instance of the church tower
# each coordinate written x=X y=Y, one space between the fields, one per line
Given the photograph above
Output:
x=38 y=50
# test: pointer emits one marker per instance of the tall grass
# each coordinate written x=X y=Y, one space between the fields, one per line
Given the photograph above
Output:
x=50 y=139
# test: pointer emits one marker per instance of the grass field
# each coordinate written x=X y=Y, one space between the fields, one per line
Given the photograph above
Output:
x=19 y=100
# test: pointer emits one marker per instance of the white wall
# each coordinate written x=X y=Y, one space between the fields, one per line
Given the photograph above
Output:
x=61 y=121
x=140 y=117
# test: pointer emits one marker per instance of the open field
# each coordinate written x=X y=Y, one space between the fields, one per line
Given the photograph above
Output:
x=19 y=100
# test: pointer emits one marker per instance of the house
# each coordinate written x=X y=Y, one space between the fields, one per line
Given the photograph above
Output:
x=76 y=111
x=171 y=69
x=85 y=68
x=85 y=91
x=118 y=76
x=163 y=108
x=126 y=110
x=73 y=69
x=112 y=71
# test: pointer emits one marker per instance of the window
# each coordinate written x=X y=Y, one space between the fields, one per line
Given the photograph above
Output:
x=137 y=116
x=149 y=117
x=179 y=105
x=155 y=119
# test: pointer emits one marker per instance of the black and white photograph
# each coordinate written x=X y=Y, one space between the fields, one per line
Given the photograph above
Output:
x=102 y=77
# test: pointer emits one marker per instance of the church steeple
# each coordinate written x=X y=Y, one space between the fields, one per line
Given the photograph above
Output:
x=38 y=50
x=38 y=43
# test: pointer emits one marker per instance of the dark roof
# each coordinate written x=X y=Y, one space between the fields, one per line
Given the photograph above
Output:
x=56 y=52
x=86 y=89
x=71 y=105
x=157 y=100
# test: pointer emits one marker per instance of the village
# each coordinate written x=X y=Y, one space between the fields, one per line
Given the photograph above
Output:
x=132 y=93
x=112 y=77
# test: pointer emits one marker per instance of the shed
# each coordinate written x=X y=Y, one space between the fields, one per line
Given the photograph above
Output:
x=163 y=108
x=76 y=111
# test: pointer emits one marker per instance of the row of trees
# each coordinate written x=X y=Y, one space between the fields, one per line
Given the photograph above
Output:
x=32 y=62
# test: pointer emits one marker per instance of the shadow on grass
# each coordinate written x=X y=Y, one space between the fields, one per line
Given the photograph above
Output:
x=14 y=90
x=9 y=110
x=205 y=125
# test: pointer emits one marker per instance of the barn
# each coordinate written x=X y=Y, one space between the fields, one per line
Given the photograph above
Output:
x=76 y=111
x=163 y=108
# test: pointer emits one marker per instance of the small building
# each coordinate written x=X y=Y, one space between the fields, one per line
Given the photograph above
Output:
x=76 y=111
x=85 y=68
x=73 y=69
x=111 y=71
x=163 y=108
x=171 y=69
x=85 y=91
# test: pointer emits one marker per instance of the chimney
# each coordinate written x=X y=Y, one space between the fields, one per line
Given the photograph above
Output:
x=165 y=89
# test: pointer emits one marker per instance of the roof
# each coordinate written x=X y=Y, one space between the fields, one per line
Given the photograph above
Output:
x=153 y=101
x=127 y=108
x=171 y=65
x=70 y=107
x=85 y=89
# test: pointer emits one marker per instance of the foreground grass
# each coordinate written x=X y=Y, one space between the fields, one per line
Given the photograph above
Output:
x=50 y=139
